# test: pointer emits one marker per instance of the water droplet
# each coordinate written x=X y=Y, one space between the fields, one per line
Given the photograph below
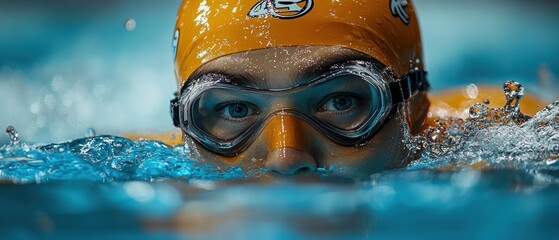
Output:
x=472 y=91
x=514 y=91
x=486 y=101
x=130 y=24
x=90 y=132
x=13 y=134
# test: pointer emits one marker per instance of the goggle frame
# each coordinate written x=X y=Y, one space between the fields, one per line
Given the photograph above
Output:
x=399 y=90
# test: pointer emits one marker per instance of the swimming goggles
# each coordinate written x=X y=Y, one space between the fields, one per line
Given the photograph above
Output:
x=348 y=104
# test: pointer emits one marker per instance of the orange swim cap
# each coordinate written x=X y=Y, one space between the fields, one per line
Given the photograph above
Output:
x=386 y=30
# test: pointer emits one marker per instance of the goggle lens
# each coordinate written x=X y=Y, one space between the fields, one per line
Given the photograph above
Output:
x=224 y=112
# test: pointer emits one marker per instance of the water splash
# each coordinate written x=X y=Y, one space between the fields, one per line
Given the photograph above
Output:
x=483 y=116
x=514 y=91
x=90 y=132
x=493 y=137
x=104 y=159
x=13 y=134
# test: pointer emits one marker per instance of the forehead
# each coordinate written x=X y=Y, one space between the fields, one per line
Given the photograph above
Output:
x=280 y=67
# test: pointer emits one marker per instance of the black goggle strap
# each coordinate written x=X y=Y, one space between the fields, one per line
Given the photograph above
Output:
x=407 y=86
x=401 y=90
x=174 y=110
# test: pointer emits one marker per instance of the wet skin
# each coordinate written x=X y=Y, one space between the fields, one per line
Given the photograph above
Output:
x=296 y=147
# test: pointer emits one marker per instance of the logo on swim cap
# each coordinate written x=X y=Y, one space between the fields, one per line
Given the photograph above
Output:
x=397 y=9
x=281 y=8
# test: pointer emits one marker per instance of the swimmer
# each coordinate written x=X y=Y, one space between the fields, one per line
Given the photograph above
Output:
x=296 y=86
x=300 y=86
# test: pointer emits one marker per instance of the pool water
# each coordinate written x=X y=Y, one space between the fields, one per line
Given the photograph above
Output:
x=492 y=175
x=424 y=204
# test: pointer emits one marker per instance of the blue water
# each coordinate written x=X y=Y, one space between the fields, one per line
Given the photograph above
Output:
x=495 y=204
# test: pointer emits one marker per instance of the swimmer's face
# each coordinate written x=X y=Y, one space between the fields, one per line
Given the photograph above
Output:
x=288 y=144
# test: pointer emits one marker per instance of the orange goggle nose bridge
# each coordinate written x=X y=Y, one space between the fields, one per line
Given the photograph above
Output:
x=285 y=131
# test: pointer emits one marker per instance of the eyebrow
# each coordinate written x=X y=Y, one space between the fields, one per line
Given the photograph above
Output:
x=301 y=77
x=239 y=79
x=311 y=72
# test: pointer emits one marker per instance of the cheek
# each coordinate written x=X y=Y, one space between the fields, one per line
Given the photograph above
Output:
x=252 y=158
x=202 y=155
x=385 y=151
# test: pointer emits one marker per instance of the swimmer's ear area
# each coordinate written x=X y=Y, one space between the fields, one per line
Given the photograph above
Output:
x=174 y=110
x=417 y=111
x=412 y=89
x=408 y=85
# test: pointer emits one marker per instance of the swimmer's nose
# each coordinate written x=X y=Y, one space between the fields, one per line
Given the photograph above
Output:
x=290 y=161
x=287 y=153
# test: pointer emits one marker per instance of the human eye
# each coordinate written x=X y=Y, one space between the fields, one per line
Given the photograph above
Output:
x=340 y=102
x=237 y=111
x=344 y=110
x=225 y=114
